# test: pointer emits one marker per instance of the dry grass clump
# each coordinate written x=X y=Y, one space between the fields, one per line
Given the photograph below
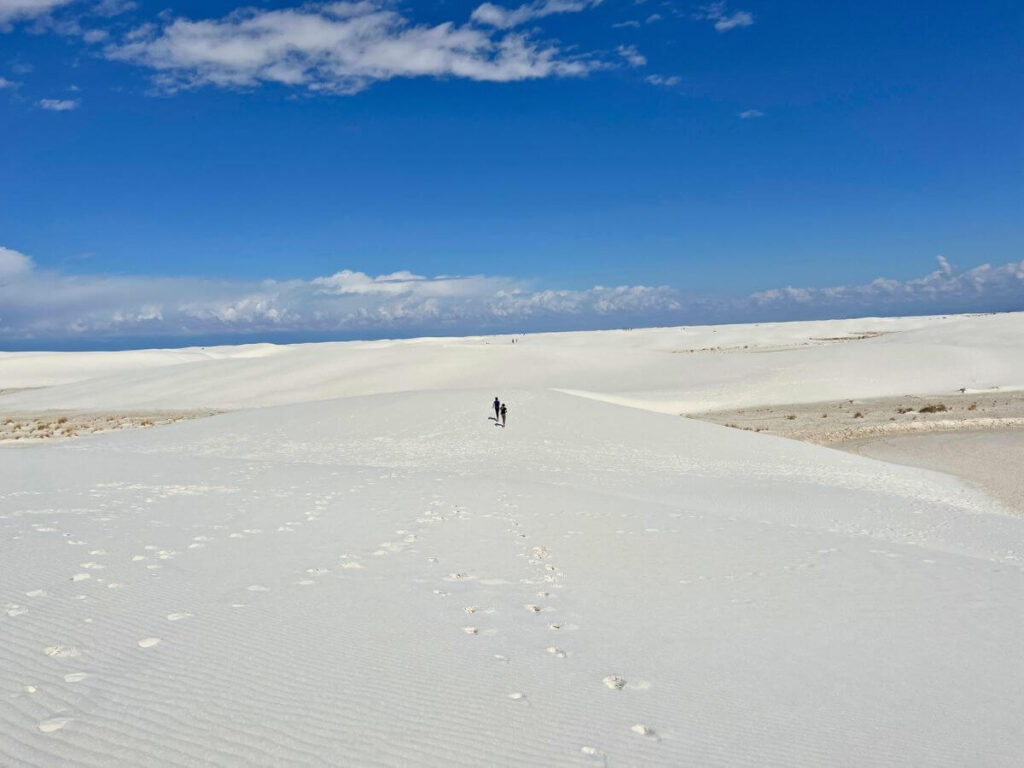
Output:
x=937 y=408
x=903 y=409
x=972 y=407
x=791 y=417
x=858 y=415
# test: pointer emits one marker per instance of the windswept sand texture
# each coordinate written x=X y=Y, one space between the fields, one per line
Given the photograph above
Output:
x=357 y=567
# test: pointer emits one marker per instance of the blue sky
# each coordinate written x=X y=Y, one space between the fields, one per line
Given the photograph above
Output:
x=160 y=164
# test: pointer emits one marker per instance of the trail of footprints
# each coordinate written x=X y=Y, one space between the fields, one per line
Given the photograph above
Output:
x=546 y=575
x=549 y=576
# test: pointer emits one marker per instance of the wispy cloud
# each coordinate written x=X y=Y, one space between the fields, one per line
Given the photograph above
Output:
x=506 y=18
x=624 y=24
x=666 y=81
x=336 y=47
x=654 y=17
x=722 y=19
x=20 y=10
x=748 y=114
x=49 y=304
x=5 y=83
x=632 y=56
x=59 y=105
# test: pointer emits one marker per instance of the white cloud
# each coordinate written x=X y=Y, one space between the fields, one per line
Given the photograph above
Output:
x=59 y=105
x=505 y=18
x=747 y=114
x=47 y=304
x=632 y=56
x=624 y=24
x=37 y=303
x=723 y=21
x=5 y=83
x=668 y=82
x=337 y=47
x=652 y=18
x=13 y=263
x=17 y=10
x=946 y=289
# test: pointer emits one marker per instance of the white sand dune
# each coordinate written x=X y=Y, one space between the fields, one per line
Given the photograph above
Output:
x=377 y=574
x=655 y=369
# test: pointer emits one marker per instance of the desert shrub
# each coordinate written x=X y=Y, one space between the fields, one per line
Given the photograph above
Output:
x=903 y=409
x=972 y=407
x=858 y=415
x=937 y=408
x=791 y=417
x=824 y=415
x=62 y=420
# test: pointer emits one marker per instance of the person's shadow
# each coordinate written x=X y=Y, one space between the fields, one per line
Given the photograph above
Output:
x=495 y=420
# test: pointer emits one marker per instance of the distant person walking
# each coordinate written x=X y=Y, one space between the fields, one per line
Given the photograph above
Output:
x=497 y=407
x=504 y=411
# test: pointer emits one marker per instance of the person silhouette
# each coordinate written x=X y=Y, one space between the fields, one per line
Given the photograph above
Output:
x=504 y=410
x=497 y=406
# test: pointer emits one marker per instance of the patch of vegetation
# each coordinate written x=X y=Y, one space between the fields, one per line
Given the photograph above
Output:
x=937 y=408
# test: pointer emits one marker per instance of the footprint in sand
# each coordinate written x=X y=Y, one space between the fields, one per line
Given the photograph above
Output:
x=643 y=730
x=614 y=682
x=36 y=593
x=138 y=558
x=470 y=630
x=76 y=677
x=54 y=724
x=15 y=610
x=532 y=608
x=258 y=588
x=81 y=576
x=149 y=642
x=92 y=566
x=61 y=651
x=517 y=696
x=178 y=616
x=558 y=653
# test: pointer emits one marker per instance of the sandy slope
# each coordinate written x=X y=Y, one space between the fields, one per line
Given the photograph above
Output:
x=654 y=369
x=392 y=579
x=354 y=583
x=992 y=460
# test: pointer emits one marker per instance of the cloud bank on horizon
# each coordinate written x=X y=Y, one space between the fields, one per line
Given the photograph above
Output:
x=52 y=305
